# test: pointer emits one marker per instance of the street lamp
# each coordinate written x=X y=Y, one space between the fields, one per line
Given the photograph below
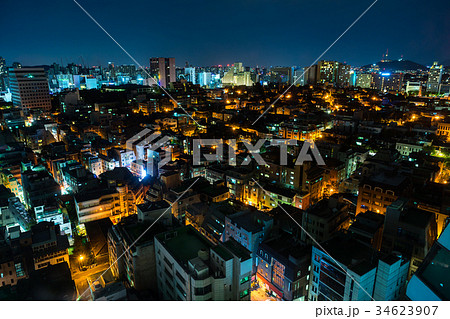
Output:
x=80 y=259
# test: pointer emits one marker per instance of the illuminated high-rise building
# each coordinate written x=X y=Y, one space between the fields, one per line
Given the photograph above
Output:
x=434 y=78
x=281 y=75
x=189 y=74
x=204 y=79
x=2 y=65
x=343 y=75
x=364 y=80
x=386 y=81
x=298 y=76
x=310 y=75
x=2 y=73
x=29 y=88
x=238 y=67
x=163 y=70
x=111 y=69
x=334 y=73
x=238 y=76
x=326 y=71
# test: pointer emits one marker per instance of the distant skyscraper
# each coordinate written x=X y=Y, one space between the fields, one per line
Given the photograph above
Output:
x=2 y=65
x=189 y=74
x=326 y=71
x=343 y=75
x=281 y=75
x=111 y=69
x=237 y=76
x=334 y=73
x=29 y=88
x=129 y=70
x=2 y=73
x=388 y=82
x=310 y=75
x=238 y=67
x=434 y=78
x=205 y=79
x=298 y=78
x=163 y=70
x=364 y=80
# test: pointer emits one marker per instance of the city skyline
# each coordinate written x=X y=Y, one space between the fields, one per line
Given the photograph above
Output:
x=68 y=35
x=226 y=151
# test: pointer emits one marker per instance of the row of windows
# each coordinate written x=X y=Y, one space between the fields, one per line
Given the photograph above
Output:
x=378 y=189
x=4 y=282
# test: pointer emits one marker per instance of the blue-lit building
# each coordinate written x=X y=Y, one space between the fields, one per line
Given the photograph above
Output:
x=431 y=282
x=282 y=267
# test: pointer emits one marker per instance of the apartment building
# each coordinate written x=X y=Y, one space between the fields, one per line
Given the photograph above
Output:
x=283 y=267
x=48 y=245
x=324 y=219
x=100 y=203
x=355 y=273
x=380 y=190
x=189 y=267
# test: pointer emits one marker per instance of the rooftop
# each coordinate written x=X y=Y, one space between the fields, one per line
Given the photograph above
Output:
x=184 y=243
x=237 y=249
x=351 y=253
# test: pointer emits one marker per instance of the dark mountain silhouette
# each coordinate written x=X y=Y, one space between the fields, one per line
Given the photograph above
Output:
x=398 y=65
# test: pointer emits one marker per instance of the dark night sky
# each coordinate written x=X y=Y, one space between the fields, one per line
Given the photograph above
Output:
x=256 y=32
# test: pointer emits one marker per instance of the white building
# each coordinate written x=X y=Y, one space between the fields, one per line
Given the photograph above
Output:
x=189 y=267
x=408 y=148
x=98 y=204
x=413 y=87
x=355 y=273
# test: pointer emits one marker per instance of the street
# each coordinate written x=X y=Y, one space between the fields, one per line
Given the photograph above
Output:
x=81 y=277
x=259 y=293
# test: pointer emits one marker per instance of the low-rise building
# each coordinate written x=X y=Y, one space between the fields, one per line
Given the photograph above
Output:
x=380 y=190
x=100 y=203
x=406 y=148
x=249 y=228
x=48 y=245
x=282 y=267
x=443 y=129
x=324 y=219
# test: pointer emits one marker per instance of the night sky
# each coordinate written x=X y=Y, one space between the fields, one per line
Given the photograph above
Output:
x=256 y=32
